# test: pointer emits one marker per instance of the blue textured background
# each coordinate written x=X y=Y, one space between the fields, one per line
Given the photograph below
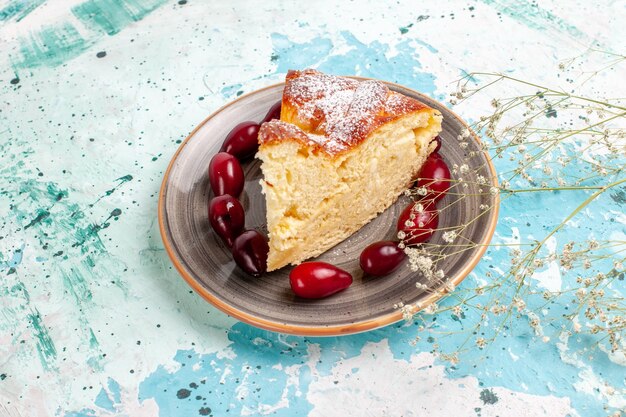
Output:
x=97 y=95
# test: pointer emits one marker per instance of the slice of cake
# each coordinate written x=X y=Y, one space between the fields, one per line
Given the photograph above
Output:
x=341 y=153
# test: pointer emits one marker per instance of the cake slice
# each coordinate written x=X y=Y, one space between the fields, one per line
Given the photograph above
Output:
x=341 y=153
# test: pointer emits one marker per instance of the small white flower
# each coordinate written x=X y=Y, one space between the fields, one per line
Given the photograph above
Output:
x=422 y=191
x=420 y=263
x=449 y=236
x=481 y=343
x=407 y=312
x=430 y=309
x=518 y=303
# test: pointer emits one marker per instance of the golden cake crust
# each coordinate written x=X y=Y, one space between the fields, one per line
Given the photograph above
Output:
x=334 y=114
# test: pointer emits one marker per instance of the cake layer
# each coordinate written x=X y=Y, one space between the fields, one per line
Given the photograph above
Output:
x=315 y=200
x=342 y=153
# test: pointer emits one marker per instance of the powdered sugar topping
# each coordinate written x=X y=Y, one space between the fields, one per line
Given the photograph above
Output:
x=337 y=112
x=344 y=107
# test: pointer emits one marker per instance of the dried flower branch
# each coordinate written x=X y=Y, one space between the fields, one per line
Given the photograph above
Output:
x=544 y=141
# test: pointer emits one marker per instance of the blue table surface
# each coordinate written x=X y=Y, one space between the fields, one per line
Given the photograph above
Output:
x=96 y=96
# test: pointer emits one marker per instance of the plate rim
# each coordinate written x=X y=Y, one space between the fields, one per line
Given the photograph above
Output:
x=331 y=330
